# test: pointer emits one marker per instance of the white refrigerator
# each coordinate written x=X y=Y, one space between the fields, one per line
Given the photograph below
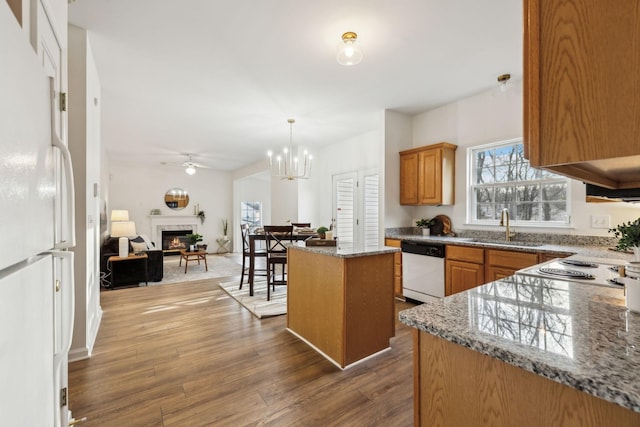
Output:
x=36 y=231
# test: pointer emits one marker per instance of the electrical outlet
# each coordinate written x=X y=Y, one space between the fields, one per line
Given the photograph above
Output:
x=600 y=221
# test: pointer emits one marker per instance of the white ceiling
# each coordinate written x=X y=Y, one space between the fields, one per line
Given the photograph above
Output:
x=219 y=79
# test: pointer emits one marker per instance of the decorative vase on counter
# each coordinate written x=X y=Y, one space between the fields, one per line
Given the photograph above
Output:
x=426 y=231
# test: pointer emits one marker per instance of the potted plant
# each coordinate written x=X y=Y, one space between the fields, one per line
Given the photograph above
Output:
x=629 y=237
x=201 y=215
x=321 y=230
x=426 y=224
x=193 y=240
x=225 y=228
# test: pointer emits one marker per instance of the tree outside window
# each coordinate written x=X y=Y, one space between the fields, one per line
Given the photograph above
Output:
x=502 y=178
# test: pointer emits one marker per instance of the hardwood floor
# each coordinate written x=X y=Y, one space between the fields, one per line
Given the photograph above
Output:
x=188 y=355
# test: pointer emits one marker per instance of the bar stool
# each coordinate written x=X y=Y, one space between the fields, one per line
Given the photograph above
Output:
x=246 y=254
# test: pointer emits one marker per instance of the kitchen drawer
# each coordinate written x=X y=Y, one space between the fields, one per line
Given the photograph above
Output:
x=465 y=253
x=392 y=242
x=512 y=259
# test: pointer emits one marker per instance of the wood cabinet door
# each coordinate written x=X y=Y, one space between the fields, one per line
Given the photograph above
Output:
x=546 y=256
x=460 y=276
x=430 y=177
x=397 y=267
x=512 y=259
x=495 y=273
x=581 y=86
x=409 y=179
x=500 y=264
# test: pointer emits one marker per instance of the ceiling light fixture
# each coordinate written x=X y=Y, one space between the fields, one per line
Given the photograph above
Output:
x=287 y=166
x=349 y=51
x=503 y=80
x=190 y=169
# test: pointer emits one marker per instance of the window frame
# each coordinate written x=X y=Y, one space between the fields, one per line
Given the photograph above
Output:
x=470 y=196
x=252 y=224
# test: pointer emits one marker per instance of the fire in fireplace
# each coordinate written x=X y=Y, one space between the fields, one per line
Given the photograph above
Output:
x=174 y=240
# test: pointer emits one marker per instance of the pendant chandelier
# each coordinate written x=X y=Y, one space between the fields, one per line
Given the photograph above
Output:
x=288 y=165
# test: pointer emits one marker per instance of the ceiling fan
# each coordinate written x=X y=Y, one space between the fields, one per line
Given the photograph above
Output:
x=190 y=166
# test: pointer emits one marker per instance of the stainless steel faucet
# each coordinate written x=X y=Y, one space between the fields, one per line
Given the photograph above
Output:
x=505 y=215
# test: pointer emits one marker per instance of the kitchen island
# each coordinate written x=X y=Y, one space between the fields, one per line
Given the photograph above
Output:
x=527 y=351
x=341 y=302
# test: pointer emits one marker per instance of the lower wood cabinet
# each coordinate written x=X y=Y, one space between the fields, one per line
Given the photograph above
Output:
x=464 y=269
x=548 y=256
x=500 y=264
x=467 y=267
x=397 y=267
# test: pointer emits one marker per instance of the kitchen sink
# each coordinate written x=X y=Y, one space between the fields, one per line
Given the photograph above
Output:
x=504 y=242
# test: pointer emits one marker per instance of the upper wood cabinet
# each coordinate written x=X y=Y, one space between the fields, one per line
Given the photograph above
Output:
x=427 y=175
x=581 y=89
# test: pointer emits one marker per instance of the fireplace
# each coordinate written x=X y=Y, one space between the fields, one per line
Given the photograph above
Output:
x=174 y=240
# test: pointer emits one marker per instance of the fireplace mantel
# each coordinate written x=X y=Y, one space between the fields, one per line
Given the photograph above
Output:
x=171 y=222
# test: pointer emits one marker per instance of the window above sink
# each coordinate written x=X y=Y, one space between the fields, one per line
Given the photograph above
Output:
x=500 y=177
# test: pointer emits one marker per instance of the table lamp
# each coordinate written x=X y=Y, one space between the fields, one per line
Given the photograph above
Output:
x=119 y=215
x=123 y=229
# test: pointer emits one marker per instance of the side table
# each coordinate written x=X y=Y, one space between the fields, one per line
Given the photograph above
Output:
x=127 y=270
x=223 y=245
x=193 y=256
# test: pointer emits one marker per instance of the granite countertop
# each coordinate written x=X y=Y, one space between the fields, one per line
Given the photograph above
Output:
x=345 y=252
x=575 y=334
x=595 y=249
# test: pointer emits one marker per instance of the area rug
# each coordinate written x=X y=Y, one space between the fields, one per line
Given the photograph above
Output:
x=219 y=266
x=258 y=304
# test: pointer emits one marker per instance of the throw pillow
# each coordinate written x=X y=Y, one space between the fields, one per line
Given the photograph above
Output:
x=150 y=244
x=138 y=247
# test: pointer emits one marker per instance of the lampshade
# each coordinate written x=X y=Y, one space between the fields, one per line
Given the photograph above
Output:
x=349 y=51
x=123 y=229
x=119 y=215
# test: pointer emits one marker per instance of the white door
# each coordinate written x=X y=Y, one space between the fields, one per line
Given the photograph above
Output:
x=63 y=320
x=26 y=174
x=50 y=55
x=356 y=209
x=27 y=394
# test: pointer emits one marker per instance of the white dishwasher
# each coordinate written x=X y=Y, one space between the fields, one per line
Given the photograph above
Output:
x=422 y=270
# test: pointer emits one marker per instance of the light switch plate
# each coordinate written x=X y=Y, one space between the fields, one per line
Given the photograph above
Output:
x=600 y=221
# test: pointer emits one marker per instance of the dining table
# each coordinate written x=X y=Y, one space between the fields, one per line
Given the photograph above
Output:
x=257 y=237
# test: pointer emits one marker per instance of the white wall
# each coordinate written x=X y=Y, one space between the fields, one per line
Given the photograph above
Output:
x=398 y=131
x=494 y=116
x=139 y=189
x=85 y=147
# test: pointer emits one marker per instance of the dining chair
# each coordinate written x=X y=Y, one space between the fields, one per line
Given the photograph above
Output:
x=246 y=255
x=277 y=238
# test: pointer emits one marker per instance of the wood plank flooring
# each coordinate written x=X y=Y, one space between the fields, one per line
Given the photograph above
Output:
x=186 y=354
